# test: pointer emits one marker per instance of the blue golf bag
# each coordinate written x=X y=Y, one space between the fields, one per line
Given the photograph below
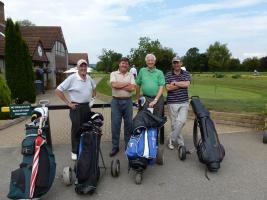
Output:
x=142 y=149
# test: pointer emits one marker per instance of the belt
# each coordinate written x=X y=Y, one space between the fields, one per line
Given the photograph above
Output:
x=152 y=97
x=121 y=98
x=82 y=104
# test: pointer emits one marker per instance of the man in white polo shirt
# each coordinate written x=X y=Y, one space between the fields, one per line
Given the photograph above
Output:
x=82 y=90
x=123 y=84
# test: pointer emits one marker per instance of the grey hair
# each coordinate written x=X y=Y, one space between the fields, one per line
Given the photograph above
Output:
x=150 y=55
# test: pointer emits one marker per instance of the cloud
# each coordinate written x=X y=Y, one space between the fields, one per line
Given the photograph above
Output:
x=89 y=26
x=220 y=5
x=253 y=54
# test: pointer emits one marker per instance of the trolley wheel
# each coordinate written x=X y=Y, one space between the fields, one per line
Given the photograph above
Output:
x=160 y=155
x=115 y=168
x=67 y=176
x=264 y=139
x=138 y=178
x=182 y=152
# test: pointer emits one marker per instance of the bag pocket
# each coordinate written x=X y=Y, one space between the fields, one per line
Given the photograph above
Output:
x=17 y=184
x=27 y=146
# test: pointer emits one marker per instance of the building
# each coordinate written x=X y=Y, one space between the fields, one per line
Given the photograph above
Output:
x=55 y=49
x=47 y=48
x=74 y=57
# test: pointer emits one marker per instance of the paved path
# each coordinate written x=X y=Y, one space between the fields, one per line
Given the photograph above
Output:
x=242 y=174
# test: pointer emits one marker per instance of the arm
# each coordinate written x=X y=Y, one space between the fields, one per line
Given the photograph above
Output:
x=129 y=88
x=94 y=93
x=119 y=85
x=182 y=84
x=61 y=95
x=160 y=91
x=171 y=86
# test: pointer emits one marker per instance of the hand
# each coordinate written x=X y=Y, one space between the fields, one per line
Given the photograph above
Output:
x=92 y=102
x=72 y=105
x=152 y=103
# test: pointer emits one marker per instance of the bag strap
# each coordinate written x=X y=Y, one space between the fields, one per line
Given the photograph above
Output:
x=195 y=136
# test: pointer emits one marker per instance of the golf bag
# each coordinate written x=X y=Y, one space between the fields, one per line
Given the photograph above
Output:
x=29 y=181
x=142 y=149
x=87 y=165
x=142 y=146
x=209 y=150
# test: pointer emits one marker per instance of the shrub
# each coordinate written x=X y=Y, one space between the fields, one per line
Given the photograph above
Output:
x=236 y=76
x=218 y=75
x=5 y=96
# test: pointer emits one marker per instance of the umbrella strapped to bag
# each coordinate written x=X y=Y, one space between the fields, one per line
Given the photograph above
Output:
x=39 y=141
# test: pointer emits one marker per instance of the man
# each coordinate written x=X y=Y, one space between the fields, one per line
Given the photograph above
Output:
x=177 y=83
x=133 y=71
x=122 y=83
x=82 y=91
x=151 y=81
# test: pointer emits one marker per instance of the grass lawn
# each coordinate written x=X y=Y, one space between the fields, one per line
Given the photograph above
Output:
x=245 y=94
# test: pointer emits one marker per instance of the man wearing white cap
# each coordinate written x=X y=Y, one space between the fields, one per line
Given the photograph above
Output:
x=82 y=92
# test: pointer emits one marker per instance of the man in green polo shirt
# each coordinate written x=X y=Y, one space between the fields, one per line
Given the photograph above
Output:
x=151 y=81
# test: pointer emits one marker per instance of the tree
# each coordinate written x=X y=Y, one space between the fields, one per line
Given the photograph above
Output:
x=192 y=59
x=163 y=55
x=263 y=65
x=109 y=61
x=25 y=22
x=203 y=62
x=218 y=55
x=233 y=64
x=250 y=64
x=19 y=68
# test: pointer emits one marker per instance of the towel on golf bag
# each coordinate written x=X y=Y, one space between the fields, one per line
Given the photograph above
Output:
x=142 y=148
x=145 y=119
x=20 y=178
x=87 y=166
x=209 y=149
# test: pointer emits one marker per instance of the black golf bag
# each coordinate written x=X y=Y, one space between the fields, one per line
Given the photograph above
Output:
x=87 y=165
x=209 y=150
x=21 y=183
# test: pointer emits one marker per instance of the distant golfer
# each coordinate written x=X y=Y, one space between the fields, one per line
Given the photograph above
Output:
x=133 y=71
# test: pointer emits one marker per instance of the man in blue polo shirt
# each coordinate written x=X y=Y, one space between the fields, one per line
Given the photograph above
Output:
x=177 y=83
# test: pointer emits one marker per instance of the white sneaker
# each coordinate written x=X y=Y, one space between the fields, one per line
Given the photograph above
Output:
x=170 y=145
x=73 y=156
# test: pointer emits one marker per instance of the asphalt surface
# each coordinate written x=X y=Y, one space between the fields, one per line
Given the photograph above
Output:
x=242 y=174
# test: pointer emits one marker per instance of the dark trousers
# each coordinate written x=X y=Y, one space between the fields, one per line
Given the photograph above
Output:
x=121 y=108
x=158 y=108
x=78 y=117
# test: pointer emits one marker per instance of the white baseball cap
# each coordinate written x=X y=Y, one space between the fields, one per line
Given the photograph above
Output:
x=81 y=61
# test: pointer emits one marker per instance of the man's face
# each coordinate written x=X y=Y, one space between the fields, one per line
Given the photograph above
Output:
x=177 y=65
x=82 y=69
x=124 y=66
x=150 y=62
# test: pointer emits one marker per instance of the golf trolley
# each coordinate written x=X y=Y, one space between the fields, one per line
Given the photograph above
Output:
x=86 y=167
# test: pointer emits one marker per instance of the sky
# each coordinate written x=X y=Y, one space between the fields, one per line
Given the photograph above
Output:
x=91 y=25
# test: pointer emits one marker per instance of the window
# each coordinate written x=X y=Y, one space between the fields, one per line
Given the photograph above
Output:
x=60 y=50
